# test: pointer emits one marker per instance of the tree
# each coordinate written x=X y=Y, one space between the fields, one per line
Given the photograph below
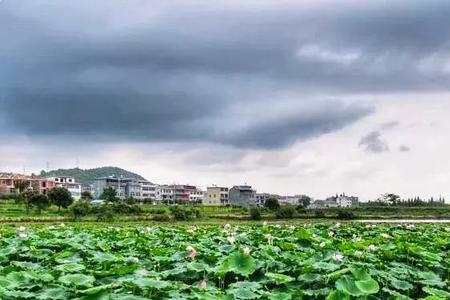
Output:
x=21 y=185
x=272 y=203
x=60 y=197
x=109 y=194
x=86 y=195
x=390 y=198
x=25 y=198
x=80 y=209
x=304 y=201
x=39 y=202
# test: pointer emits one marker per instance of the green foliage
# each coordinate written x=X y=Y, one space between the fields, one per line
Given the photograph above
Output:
x=86 y=195
x=39 y=202
x=276 y=262
x=105 y=213
x=88 y=176
x=319 y=214
x=60 y=197
x=304 y=201
x=272 y=203
x=80 y=209
x=286 y=212
x=109 y=194
x=255 y=213
x=345 y=215
x=183 y=214
x=123 y=208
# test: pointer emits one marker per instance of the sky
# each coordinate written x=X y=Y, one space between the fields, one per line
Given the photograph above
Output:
x=291 y=97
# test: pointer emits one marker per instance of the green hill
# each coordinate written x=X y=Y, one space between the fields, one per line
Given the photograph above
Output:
x=87 y=176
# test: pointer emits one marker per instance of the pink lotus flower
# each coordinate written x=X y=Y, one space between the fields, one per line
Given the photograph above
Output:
x=203 y=284
x=338 y=257
x=192 y=252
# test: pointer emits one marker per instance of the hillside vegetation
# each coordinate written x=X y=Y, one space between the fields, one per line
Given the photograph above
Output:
x=87 y=176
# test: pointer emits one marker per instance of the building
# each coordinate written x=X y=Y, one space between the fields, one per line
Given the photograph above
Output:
x=242 y=195
x=124 y=187
x=8 y=182
x=164 y=193
x=289 y=200
x=342 y=201
x=197 y=196
x=148 y=190
x=216 y=195
x=68 y=183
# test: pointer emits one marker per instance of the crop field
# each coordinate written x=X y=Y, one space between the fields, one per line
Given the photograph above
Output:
x=262 y=261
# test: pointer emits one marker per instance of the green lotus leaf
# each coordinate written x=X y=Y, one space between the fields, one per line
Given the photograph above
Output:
x=242 y=264
x=78 y=280
x=279 y=278
x=347 y=285
x=368 y=286
x=70 y=268
x=241 y=293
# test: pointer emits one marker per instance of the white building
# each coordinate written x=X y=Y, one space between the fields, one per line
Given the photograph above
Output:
x=164 y=193
x=68 y=183
x=197 y=196
x=148 y=190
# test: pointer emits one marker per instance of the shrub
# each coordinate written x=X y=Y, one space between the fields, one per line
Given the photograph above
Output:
x=300 y=209
x=79 y=209
x=272 y=204
x=255 y=213
x=123 y=208
x=161 y=217
x=105 y=213
x=345 y=215
x=158 y=211
x=183 y=214
x=319 y=214
x=286 y=212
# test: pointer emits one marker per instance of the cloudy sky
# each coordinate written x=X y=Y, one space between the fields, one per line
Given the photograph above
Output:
x=313 y=97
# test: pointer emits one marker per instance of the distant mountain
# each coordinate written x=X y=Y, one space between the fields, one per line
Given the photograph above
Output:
x=87 y=176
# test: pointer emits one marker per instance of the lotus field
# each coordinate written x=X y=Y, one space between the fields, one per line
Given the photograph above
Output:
x=262 y=261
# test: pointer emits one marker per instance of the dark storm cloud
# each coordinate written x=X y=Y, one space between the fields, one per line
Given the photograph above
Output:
x=168 y=72
x=373 y=143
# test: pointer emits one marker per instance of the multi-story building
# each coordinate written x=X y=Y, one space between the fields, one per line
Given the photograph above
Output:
x=262 y=197
x=164 y=193
x=335 y=201
x=216 y=195
x=8 y=183
x=148 y=190
x=289 y=200
x=68 y=183
x=242 y=195
x=124 y=187
x=197 y=196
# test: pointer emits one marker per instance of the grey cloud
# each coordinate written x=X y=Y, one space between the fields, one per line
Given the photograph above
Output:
x=404 y=148
x=373 y=143
x=173 y=72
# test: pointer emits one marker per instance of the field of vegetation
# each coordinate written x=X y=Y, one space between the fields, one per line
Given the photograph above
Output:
x=259 y=261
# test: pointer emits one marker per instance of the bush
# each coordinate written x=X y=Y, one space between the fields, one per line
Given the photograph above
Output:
x=319 y=214
x=345 y=215
x=286 y=212
x=105 y=213
x=158 y=211
x=300 y=209
x=272 y=204
x=123 y=208
x=79 y=209
x=183 y=214
x=161 y=217
x=255 y=213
